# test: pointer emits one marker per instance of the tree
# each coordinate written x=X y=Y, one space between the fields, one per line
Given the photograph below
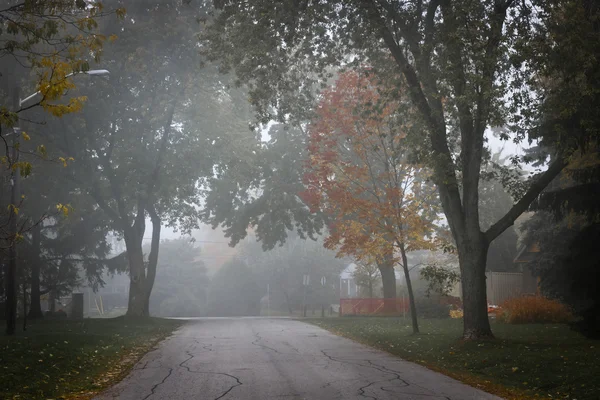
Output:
x=234 y=291
x=51 y=41
x=258 y=188
x=460 y=61
x=494 y=202
x=283 y=268
x=181 y=282
x=566 y=230
x=380 y=204
x=157 y=128
x=366 y=277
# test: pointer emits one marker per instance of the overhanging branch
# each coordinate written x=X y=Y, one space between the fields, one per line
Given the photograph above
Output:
x=521 y=206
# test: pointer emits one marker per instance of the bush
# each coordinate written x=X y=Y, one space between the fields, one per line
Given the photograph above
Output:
x=431 y=307
x=534 y=309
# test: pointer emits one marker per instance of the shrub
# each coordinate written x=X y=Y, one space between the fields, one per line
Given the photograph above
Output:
x=534 y=309
x=430 y=307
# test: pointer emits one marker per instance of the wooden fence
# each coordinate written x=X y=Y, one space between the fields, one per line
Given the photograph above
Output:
x=502 y=286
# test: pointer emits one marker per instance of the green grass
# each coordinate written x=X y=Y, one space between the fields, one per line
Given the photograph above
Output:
x=62 y=359
x=523 y=362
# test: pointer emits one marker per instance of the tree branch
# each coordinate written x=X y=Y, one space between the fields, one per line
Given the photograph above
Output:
x=521 y=206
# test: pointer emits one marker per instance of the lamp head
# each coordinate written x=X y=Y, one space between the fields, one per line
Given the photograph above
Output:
x=98 y=72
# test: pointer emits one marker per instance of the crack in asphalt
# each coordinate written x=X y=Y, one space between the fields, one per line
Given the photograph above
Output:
x=412 y=384
x=258 y=338
x=143 y=367
x=291 y=347
x=387 y=370
x=362 y=389
x=153 y=389
x=237 y=380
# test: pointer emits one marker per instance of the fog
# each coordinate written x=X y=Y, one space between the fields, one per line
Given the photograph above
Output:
x=421 y=177
x=160 y=166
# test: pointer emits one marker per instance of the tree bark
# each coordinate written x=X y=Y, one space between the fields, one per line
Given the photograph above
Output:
x=35 y=308
x=52 y=300
x=137 y=274
x=287 y=301
x=411 y=296
x=472 y=257
x=152 y=258
x=388 y=278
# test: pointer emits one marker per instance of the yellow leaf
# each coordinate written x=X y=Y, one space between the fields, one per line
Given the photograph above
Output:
x=25 y=136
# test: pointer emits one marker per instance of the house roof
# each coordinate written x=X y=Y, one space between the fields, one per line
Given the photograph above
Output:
x=527 y=253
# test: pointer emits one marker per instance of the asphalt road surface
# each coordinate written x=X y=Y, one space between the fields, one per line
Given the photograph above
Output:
x=262 y=358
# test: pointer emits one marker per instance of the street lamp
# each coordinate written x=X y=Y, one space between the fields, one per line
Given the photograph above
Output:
x=11 y=276
x=92 y=72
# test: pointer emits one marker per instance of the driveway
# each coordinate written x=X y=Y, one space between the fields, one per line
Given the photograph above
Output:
x=276 y=358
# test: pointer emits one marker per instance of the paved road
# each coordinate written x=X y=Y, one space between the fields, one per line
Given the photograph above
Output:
x=262 y=358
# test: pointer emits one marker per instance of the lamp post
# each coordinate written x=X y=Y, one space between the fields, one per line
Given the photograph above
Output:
x=92 y=72
x=11 y=275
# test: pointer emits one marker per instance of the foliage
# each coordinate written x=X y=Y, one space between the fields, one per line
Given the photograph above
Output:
x=234 y=291
x=525 y=362
x=466 y=66
x=159 y=128
x=380 y=205
x=441 y=279
x=567 y=263
x=64 y=359
x=534 y=309
x=366 y=276
x=181 y=281
x=284 y=267
x=358 y=173
x=494 y=202
x=456 y=314
x=49 y=41
x=566 y=230
x=431 y=307
x=256 y=188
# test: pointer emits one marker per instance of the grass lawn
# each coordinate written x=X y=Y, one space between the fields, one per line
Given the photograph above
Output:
x=524 y=362
x=62 y=359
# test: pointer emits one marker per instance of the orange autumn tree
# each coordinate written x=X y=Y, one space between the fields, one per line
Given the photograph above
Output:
x=381 y=205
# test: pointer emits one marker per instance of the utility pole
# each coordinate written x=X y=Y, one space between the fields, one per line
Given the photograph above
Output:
x=268 y=300
x=11 y=275
x=305 y=282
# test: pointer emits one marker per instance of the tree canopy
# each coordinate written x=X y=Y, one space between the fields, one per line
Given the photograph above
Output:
x=466 y=66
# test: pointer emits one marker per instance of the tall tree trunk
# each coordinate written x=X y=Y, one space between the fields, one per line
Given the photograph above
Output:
x=35 y=308
x=52 y=300
x=388 y=279
x=137 y=274
x=136 y=304
x=152 y=258
x=472 y=255
x=24 y=304
x=411 y=296
x=287 y=301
